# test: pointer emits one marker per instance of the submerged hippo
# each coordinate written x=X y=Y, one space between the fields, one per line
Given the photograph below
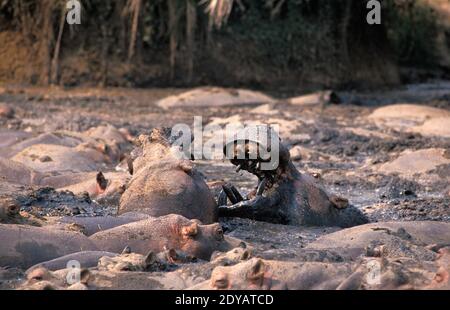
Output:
x=163 y=184
x=284 y=195
x=165 y=232
x=24 y=246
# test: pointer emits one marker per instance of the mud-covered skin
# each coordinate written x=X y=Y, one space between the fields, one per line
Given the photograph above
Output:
x=163 y=184
x=365 y=273
x=24 y=246
x=165 y=232
x=286 y=196
x=9 y=210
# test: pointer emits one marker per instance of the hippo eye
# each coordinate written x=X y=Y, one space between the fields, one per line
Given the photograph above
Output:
x=220 y=282
x=219 y=234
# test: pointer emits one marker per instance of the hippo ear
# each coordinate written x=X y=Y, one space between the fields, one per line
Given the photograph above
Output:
x=172 y=254
x=102 y=182
x=150 y=258
x=85 y=275
x=190 y=230
x=256 y=273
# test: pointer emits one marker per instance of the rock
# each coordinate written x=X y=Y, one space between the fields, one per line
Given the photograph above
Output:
x=214 y=97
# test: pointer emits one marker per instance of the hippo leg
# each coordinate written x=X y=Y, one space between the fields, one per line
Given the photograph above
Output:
x=259 y=208
x=232 y=193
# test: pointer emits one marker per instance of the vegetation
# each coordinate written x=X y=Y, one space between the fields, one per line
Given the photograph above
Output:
x=252 y=42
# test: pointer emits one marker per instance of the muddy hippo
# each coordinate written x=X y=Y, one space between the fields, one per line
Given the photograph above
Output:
x=87 y=259
x=163 y=184
x=92 y=225
x=165 y=232
x=9 y=210
x=24 y=246
x=387 y=239
x=284 y=195
x=258 y=274
x=17 y=173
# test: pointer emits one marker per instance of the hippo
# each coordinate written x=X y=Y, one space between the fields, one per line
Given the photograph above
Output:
x=258 y=274
x=24 y=246
x=165 y=232
x=366 y=273
x=387 y=239
x=92 y=225
x=9 y=210
x=283 y=195
x=163 y=184
x=87 y=259
x=17 y=173
x=107 y=187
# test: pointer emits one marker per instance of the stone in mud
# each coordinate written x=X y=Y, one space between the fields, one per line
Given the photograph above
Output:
x=413 y=162
x=389 y=239
x=283 y=195
x=258 y=274
x=24 y=246
x=163 y=184
x=214 y=97
x=165 y=232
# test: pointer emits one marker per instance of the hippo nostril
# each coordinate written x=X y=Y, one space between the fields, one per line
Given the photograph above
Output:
x=219 y=234
x=13 y=210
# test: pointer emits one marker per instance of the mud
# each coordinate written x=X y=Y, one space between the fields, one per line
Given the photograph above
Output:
x=339 y=144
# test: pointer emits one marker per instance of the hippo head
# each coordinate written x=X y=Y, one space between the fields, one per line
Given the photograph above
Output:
x=202 y=240
x=109 y=189
x=9 y=210
x=258 y=150
x=253 y=274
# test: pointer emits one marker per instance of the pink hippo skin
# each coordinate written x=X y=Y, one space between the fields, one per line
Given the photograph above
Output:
x=163 y=184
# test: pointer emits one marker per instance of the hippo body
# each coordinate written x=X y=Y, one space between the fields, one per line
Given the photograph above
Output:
x=163 y=184
x=92 y=225
x=24 y=246
x=165 y=232
x=284 y=195
x=87 y=259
